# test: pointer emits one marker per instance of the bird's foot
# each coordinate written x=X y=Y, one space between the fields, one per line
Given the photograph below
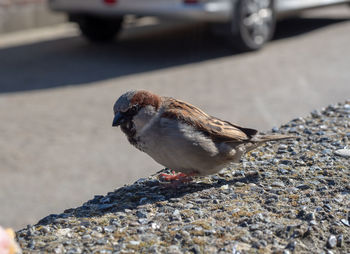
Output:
x=181 y=177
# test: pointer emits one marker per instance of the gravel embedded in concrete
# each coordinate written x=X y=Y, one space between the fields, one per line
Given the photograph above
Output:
x=283 y=198
x=343 y=152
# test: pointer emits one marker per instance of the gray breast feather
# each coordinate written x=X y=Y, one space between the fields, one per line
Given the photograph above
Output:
x=180 y=147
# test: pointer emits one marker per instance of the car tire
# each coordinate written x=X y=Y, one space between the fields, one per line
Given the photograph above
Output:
x=253 y=24
x=98 y=29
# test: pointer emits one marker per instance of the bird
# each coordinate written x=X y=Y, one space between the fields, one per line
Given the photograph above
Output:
x=182 y=137
x=7 y=242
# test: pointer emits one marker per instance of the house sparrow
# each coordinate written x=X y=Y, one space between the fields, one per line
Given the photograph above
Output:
x=7 y=242
x=182 y=137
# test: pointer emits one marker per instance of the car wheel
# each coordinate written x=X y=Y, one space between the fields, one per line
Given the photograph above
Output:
x=99 y=29
x=253 y=24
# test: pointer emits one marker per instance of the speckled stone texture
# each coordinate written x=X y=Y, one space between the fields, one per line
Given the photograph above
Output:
x=286 y=197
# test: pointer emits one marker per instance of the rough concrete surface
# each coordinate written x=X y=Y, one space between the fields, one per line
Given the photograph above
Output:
x=57 y=146
x=292 y=196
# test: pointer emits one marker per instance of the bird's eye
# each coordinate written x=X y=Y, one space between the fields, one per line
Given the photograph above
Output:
x=133 y=110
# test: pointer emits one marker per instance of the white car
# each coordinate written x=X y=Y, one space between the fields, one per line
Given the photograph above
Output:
x=250 y=23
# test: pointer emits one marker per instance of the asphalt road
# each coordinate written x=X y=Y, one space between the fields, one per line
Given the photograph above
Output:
x=57 y=146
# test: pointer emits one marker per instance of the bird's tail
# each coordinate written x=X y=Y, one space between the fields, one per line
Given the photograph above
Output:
x=270 y=137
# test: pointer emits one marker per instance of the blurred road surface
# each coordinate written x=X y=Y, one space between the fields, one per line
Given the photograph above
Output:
x=57 y=146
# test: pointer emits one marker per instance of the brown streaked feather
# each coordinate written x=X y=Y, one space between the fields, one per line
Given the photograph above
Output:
x=272 y=137
x=215 y=128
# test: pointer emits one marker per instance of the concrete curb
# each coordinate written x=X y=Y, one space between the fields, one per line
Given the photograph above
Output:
x=290 y=197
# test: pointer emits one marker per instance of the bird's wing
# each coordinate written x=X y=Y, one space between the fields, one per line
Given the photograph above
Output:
x=217 y=129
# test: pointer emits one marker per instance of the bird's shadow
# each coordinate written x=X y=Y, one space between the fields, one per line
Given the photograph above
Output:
x=143 y=192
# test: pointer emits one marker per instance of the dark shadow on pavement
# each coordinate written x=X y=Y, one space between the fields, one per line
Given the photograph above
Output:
x=73 y=61
x=298 y=26
x=143 y=191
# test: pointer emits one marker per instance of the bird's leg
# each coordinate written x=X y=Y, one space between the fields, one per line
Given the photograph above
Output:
x=182 y=177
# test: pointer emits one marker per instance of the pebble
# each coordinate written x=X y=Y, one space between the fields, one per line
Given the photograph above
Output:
x=332 y=242
x=58 y=250
x=293 y=130
x=326 y=151
x=239 y=184
x=316 y=114
x=291 y=246
x=343 y=153
x=102 y=241
x=340 y=240
x=278 y=184
x=313 y=222
x=174 y=249
x=310 y=216
x=283 y=147
x=303 y=187
x=176 y=213
x=328 y=207
x=64 y=232
x=74 y=251
x=110 y=228
x=143 y=221
x=315 y=168
x=195 y=249
x=292 y=189
x=105 y=206
x=141 y=214
x=86 y=237
x=155 y=225
x=345 y=222
x=224 y=187
x=143 y=200
x=307 y=131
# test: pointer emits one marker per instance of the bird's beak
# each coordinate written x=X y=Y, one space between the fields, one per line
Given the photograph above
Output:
x=118 y=119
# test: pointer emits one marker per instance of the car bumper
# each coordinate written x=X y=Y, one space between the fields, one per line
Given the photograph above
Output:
x=205 y=10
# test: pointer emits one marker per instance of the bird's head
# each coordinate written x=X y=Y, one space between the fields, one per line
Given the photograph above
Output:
x=133 y=109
